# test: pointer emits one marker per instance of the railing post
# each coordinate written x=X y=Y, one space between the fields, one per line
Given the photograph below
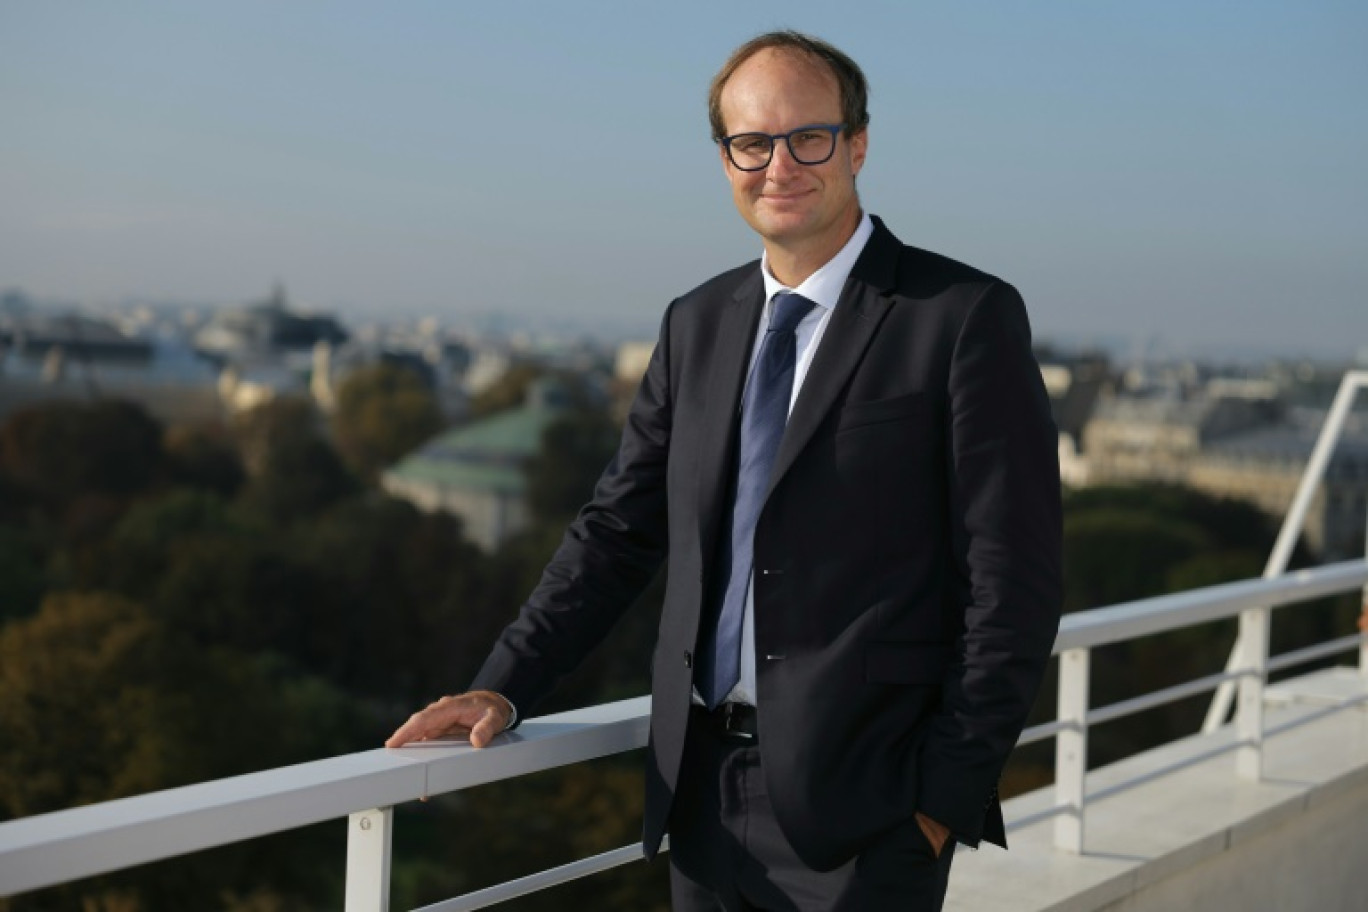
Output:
x=369 y=834
x=1249 y=706
x=1071 y=749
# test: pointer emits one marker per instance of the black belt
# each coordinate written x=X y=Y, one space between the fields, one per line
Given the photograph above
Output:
x=732 y=721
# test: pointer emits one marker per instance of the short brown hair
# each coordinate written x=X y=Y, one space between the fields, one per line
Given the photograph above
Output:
x=854 y=89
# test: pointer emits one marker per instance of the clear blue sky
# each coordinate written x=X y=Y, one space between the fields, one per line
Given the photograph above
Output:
x=1196 y=171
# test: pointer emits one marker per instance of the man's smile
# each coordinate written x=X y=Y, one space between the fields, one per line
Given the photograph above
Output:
x=785 y=196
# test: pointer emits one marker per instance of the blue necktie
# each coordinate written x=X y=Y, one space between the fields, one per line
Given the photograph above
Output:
x=764 y=412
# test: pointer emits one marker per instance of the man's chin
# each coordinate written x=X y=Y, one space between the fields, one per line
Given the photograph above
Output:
x=782 y=228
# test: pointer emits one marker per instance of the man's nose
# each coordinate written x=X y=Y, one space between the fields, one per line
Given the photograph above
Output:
x=782 y=163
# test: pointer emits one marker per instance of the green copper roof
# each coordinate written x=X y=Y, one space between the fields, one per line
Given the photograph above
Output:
x=466 y=477
x=487 y=455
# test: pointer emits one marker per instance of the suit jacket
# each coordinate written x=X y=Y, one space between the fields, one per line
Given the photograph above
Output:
x=907 y=559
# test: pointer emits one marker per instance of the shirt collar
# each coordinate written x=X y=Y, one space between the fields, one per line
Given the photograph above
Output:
x=824 y=286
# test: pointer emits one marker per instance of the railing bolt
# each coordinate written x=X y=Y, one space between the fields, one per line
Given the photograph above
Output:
x=365 y=823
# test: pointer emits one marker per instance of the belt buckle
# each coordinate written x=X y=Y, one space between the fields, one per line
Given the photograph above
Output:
x=728 y=715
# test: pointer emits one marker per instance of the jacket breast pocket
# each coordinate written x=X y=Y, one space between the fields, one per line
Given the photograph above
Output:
x=906 y=663
x=879 y=411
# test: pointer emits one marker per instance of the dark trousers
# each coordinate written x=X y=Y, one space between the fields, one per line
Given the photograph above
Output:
x=727 y=852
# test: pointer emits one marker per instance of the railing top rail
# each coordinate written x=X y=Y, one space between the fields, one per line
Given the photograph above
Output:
x=55 y=848
x=1100 y=626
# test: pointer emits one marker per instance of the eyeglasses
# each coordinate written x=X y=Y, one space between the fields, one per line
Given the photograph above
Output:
x=809 y=145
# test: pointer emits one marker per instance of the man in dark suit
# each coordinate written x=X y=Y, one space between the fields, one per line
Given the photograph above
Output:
x=845 y=454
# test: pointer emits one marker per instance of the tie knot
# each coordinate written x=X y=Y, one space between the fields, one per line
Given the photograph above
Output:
x=789 y=310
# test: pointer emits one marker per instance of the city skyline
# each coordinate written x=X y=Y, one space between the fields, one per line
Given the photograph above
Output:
x=1187 y=174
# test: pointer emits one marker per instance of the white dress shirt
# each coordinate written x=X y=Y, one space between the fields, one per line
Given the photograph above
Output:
x=823 y=288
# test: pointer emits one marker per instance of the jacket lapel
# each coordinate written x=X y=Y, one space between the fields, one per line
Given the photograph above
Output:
x=727 y=372
x=861 y=309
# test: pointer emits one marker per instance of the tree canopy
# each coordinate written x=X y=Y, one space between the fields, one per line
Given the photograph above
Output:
x=383 y=412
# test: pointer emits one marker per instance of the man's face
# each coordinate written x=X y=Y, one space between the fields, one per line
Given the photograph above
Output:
x=792 y=206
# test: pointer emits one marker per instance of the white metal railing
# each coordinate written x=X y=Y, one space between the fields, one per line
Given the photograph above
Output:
x=1251 y=601
x=67 y=845
x=50 y=849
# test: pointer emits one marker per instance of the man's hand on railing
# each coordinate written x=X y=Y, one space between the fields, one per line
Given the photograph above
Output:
x=481 y=714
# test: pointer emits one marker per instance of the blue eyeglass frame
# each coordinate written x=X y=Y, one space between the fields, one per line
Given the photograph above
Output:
x=833 y=129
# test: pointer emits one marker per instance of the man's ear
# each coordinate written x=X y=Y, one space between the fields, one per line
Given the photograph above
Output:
x=859 y=145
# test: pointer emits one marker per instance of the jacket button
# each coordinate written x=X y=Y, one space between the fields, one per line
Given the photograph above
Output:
x=688 y=659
